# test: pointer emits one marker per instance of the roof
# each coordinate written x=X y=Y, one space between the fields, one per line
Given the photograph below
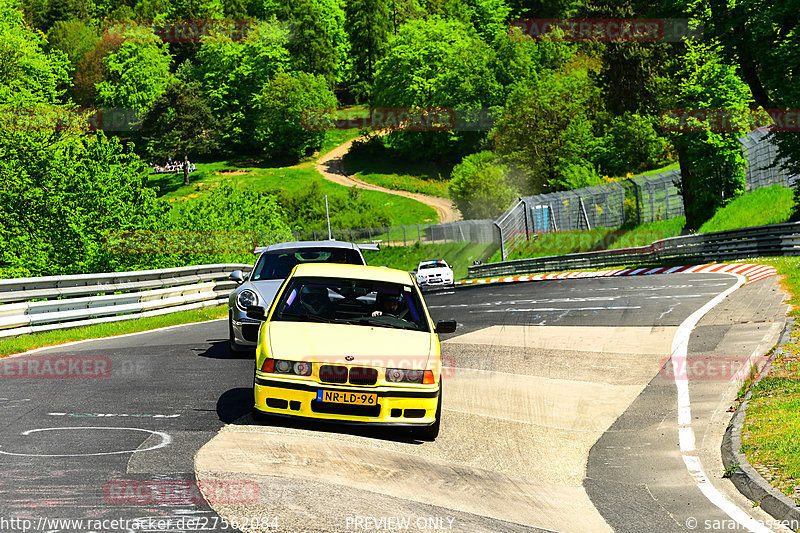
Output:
x=432 y=262
x=335 y=270
x=331 y=243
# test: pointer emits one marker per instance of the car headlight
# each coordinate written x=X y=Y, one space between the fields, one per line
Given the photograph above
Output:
x=397 y=375
x=246 y=298
x=282 y=366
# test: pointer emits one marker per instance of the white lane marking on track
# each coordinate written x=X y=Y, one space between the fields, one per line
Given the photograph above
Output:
x=680 y=346
x=538 y=309
x=165 y=441
x=73 y=343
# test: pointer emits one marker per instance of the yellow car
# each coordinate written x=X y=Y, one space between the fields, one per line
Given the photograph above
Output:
x=352 y=344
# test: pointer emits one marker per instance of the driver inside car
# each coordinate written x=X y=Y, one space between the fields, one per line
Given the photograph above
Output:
x=388 y=304
x=315 y=300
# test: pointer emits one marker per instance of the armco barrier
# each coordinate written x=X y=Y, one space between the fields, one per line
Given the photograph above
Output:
x=772 y=240
x=30 y=305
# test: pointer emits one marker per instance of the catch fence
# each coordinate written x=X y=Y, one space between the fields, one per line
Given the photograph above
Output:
x=636 y=200
x=480 y=231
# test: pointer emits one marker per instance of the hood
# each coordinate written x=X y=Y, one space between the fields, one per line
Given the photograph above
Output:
x=266 y=289
x=332 y=343
x=432 y=271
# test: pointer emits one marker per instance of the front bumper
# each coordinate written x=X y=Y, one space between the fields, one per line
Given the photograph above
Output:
x=434 y=282
x=245 y=331
x=403 y=406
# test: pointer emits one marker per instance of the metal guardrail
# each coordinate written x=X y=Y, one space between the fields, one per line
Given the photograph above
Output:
x=30 y=305
x=772 y=240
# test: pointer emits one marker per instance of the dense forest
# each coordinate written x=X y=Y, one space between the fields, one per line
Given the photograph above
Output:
x=229 y=78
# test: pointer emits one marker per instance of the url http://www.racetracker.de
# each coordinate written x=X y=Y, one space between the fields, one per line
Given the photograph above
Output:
x=127 y=525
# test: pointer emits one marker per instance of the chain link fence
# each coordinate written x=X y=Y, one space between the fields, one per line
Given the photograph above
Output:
x=761 y=153
x=636 y=200
x=479 y=231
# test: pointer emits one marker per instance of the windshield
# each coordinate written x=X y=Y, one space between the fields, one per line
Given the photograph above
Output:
x=440 y=264
x=278 y=264
x=348 y=301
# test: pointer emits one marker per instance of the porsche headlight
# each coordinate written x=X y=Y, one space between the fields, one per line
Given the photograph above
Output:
x=246 y=298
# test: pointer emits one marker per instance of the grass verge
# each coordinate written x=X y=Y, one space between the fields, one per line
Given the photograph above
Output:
x=459 y=255
x=24 y=343
x=571 y=242
x=768 y=205
x=771 y=432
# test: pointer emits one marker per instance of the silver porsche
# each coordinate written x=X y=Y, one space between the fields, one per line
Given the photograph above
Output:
x=274 y=263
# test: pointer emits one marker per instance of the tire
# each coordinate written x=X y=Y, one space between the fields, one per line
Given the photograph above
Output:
x=429 y=433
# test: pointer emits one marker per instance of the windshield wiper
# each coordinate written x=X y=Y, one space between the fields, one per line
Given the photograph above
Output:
x=370 y=321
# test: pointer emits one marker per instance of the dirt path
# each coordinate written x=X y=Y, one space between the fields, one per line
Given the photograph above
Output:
x=331 y=167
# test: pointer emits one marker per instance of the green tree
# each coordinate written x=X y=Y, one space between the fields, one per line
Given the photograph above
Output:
x=763 y=40
x=479 y=186
x=91 y=70
x=281 y=110
x=369 y=25
x=233 y=72
x=712 y=164
x=180 y=122
x=436 y=63
x=549 y=127
x=221 y=211
x=318 y=42
x=74 y=37
x=137 y=71
x=58 y=201
x=28 y=73
x=632 y=75
x=631 y=143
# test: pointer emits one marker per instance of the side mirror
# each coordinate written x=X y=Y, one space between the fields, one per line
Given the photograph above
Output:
x=446 y=326
x=256 y=312
x=237 y=276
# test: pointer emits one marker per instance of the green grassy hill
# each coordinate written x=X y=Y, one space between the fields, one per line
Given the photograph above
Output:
x=299 y=181
x=768 y=205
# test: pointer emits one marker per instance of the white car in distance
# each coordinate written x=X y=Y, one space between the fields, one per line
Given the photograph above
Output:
x=436 y=273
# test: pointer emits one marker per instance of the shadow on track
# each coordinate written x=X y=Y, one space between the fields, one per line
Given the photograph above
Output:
x=235 y=406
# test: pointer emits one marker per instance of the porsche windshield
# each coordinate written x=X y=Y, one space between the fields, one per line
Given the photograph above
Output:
x=279 y=263
x=349 y=301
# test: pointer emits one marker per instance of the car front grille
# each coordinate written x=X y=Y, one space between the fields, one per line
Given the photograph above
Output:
x=333 y=374
x=363 y=376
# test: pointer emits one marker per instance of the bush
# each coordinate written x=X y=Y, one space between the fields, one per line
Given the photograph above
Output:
x=631 y=144
x=479 y=187
x=575 y=176
x=281 y=109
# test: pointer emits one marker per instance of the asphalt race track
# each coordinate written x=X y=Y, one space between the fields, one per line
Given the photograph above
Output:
x=558 y=415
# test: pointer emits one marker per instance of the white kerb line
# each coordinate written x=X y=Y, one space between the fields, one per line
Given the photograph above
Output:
x=680 y=346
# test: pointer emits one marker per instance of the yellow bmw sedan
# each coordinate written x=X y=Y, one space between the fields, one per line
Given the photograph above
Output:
x=352 y=344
